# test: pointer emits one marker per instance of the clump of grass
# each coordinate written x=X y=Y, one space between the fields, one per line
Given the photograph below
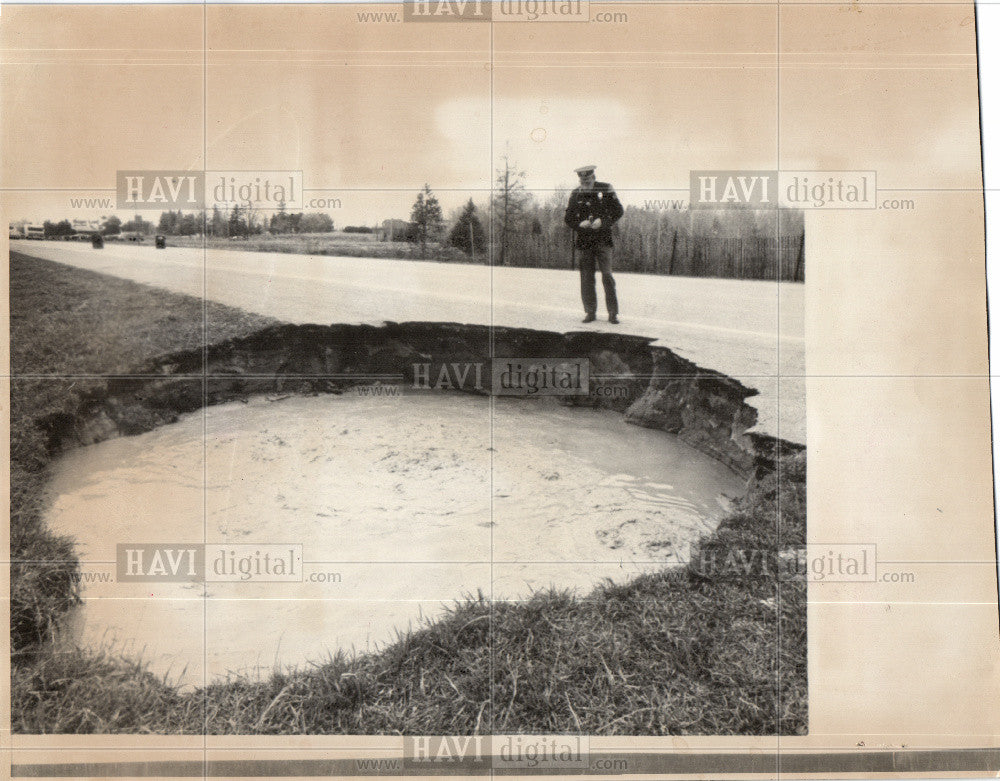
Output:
x=95 y=691
x=42 y=581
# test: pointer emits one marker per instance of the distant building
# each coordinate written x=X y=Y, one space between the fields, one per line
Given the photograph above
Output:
x=86 y=226
x=25 y=230
x=396 y=230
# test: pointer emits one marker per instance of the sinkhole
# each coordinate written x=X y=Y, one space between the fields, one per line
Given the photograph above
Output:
x=401 y=504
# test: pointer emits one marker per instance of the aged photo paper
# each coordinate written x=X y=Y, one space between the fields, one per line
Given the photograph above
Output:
x=516 y=388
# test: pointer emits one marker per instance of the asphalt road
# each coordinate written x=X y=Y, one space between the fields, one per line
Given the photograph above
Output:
x=750 y=330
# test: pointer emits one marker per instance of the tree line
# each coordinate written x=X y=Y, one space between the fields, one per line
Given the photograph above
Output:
x=237 y=221
x=526 y=231
x=515 y=227
x=243 y=221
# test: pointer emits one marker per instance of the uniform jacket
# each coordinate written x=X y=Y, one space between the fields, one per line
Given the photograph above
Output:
x=601 y=201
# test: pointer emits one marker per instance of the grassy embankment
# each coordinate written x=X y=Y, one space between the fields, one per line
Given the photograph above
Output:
x=714 y=649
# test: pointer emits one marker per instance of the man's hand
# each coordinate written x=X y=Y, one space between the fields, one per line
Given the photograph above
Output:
x=585 y=224
x=596 y=223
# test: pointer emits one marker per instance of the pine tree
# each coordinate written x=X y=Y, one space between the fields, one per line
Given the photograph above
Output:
x=468 y=234
x=237 y=225
x=427 y=218
x=218 y=224
x=279 y=221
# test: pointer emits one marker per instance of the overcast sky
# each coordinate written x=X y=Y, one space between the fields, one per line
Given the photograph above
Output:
x=370 y=112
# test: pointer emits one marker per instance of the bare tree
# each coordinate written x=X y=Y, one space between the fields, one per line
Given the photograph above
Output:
x=510 y=203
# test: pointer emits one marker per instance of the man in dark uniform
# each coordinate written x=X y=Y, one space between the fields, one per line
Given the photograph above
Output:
x=593 y=209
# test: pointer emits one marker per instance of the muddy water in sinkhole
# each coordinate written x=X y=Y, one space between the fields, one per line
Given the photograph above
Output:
x=401 y=505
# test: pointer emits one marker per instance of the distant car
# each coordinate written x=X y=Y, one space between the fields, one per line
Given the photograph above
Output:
x=161 y=242
x=97 y=241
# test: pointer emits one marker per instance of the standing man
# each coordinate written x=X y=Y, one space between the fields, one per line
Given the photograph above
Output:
x=593 y=209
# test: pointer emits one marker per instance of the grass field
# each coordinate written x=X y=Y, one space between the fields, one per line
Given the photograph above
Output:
x=350 y=245
x=710 y=649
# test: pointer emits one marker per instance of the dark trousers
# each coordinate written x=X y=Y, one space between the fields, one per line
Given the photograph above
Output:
x=591 y=259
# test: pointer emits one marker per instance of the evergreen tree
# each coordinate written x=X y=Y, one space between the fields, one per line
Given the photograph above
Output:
x=279 y=221
x=217 y=225
x=427 y=218
x=237 y=225
x=468 y=234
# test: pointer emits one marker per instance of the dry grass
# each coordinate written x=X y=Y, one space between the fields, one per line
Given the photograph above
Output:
x=349 y=245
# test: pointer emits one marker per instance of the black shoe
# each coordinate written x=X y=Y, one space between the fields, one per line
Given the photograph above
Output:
x=613 y=319
x=589 y=318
